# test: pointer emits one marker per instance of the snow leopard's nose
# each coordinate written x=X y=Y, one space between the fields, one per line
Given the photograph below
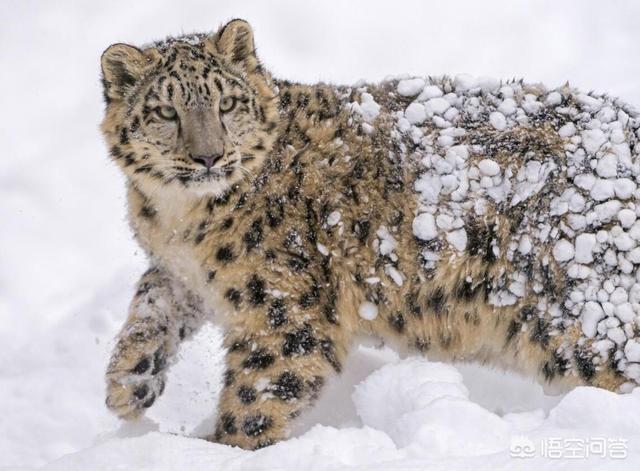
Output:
x=207 y=160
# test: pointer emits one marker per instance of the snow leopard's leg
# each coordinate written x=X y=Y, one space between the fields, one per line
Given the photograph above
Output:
x=276 y=364
x=161 y=315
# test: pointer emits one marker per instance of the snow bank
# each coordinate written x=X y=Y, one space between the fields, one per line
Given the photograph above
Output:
x=414 y=413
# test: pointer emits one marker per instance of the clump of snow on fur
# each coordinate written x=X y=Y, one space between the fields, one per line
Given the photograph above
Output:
x=424 y=226
x=367 y=108
x=595 y=234
x=368 y=311
x=410 y=87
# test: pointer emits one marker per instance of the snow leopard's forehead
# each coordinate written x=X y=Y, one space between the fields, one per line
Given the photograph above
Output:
x=163 y=45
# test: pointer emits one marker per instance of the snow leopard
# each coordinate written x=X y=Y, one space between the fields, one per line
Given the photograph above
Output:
x=462 y=218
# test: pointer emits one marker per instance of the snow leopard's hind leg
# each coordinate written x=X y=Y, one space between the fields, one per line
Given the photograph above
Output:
x=161 y=315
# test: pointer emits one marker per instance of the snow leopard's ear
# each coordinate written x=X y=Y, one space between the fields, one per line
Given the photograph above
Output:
x=234 y=42
x=122 y=66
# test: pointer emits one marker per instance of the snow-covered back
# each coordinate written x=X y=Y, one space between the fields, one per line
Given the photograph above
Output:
x=557 y=166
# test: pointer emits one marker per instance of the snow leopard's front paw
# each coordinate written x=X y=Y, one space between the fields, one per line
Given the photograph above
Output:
x=137 y=372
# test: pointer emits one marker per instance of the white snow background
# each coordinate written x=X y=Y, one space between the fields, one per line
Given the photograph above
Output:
x=68 y=264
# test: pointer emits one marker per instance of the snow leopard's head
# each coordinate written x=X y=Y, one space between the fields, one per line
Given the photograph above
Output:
x=198 y=111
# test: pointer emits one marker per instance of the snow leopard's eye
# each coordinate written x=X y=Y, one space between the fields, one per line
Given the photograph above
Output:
x=227 y=103
x=167 y=112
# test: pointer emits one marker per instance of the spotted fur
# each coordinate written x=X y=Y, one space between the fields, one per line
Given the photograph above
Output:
x=281 y=239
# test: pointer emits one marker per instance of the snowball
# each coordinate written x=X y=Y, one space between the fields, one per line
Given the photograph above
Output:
x=588 y=102
x=617 y=335
x=634 y=256
x=624 y=188
x=410 y=87
x=508 y=106
x=586 y=181
x=437 y=105
x=619 y=296
x=567 y=130
x=489 y=167
x=415 y=113
x=591 y=314
x=430 y=91
x=563 y=250
x=622 y=241
x=367 y=108
x=625 y=312
x=458 y=239
x=368 y=311
x=592 y=140
x=607 y=166
x=333 y=218
x=464 y=82
x=607 y=211
x=553 y=98
x=387 y=242
x=602 y=190
x=424 y=226
x=525 y=245
x=585 y=243
x=394 y=274
x=444 y=221
x=632 y=350
x=497 y=120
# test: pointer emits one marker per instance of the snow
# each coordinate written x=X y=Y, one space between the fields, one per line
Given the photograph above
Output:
x=322 y=249
x=387 y=242
x=367 y=108
x=430 y=91
x=406 y=413
x=394 y=274
x=498 y=120
x=624 y=188
x=585 y=243
x=592 y=139
x=568 y=129
x=607 y=166
x=563 y=250
x=602 y=190
x=415 y=113
x=553 y=98
x=489 y=167
x=458 y=239
x=368 y=311
x=437 y=105
x=632 y=350
x=424 y=226
x=63 y=215
x=592 y=314
x=333 y=218
x=410 y=87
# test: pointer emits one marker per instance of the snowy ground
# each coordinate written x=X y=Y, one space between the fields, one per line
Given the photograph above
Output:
x=67 y=262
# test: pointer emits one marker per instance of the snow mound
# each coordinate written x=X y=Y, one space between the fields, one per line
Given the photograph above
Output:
x=413 y=412
x=425 y=407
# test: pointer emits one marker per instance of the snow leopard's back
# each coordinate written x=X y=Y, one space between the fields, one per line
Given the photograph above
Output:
x=529 y=197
